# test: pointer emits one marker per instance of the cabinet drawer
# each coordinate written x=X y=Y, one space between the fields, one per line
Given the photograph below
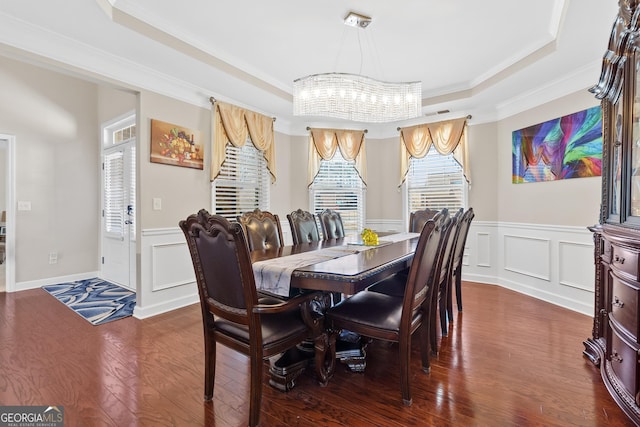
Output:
x=624 y=362
x=625 y=260
x=624 y=305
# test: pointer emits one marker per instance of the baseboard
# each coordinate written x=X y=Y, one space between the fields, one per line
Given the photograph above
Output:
x=34 y=284
x=155 y=309
x=551 y=298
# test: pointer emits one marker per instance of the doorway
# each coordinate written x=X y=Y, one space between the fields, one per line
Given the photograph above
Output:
x=7 y=222
x=118 y=201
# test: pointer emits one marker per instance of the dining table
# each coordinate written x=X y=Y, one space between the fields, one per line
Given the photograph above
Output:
x=344 y=265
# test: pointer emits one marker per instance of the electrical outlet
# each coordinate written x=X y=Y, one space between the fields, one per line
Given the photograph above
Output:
x=24 y=205
x=53 y=257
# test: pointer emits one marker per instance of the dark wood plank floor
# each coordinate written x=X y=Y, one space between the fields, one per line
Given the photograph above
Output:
x=509 y=360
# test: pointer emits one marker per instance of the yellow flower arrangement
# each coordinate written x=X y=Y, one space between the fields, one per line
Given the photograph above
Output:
x=369 y=237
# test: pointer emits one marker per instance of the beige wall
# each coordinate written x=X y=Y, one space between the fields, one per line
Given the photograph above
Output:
x=56 y=120
x=384 y=197
x=182 y=190
x=280 y=190
x=298 y=163
x=53 y=118
x=483 y=161
x=574 y=202
x=114 y=103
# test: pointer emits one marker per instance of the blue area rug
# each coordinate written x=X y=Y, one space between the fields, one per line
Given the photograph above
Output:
x=96 y=300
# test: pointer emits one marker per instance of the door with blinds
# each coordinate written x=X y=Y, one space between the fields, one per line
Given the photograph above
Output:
x=118 y=225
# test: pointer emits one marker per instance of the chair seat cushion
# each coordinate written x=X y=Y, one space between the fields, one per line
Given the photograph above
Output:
x=365 y=311
x=275 y=328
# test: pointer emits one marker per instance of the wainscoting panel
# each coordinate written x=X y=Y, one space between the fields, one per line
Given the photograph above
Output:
x=167 y=280
x=527 y=255
x=386 y=225
x=572 y=254
x=483 y=244
x=549 y=262
x=172 y=266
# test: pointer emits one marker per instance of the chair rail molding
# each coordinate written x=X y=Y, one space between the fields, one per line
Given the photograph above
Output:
x=553 y=263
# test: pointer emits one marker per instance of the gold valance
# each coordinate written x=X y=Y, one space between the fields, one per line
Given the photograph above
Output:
x=448 y=137
x=323 y=144
x=234 y=124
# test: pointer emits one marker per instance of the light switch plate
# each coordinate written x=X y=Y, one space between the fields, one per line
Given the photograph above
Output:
x=157 y=204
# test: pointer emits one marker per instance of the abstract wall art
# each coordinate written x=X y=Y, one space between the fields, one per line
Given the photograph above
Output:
x=567 y=147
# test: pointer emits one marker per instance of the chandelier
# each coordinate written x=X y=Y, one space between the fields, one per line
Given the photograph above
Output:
x=356 y=97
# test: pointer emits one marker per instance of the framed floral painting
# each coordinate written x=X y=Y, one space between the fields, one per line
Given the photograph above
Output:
x=176 y=145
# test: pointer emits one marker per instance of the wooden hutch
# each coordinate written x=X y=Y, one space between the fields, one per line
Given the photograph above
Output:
x=615 y=342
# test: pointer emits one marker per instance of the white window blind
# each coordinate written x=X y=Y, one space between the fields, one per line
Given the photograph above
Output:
x=243 y=183
x=338 y=187
x=132 y=189
x=436 y=182
x=114 y=194
x=117 y=165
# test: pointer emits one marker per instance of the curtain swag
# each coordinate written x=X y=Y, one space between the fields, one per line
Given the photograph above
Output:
x=447 y=136
x=323 y=144
x=234 y=124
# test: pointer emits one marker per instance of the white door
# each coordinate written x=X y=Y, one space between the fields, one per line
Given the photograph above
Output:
x=7 y=223
x=118 y=210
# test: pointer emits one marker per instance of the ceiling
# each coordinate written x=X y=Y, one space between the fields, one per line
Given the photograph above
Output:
x=489 y=59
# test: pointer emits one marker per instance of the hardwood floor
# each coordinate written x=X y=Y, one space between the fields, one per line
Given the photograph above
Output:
x=509 y=360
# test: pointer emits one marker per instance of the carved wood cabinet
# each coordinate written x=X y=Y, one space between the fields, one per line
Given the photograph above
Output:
x=615 y=343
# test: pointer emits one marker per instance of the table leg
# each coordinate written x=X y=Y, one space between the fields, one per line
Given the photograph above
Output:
x=325 y=357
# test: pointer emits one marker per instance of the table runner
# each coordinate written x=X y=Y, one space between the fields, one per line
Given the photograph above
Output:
x=274 y=275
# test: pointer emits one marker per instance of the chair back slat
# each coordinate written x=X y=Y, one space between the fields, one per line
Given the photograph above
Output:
x=419 y=285
x=465 y=223
x=262 y=229
x=222 y=265
x=418 y=219
x=304 y=228
x=331 y=222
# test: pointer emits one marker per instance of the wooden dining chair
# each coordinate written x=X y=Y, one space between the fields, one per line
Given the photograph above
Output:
x=304 y=228
x=232 y=312
x=331 y=223
x=440 y=293
x=262 y=229
x=393 y=318
x=418 y=218
x=396 y=284
x=455 y=270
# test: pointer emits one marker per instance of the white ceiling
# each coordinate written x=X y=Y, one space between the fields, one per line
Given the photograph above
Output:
x=489 y=58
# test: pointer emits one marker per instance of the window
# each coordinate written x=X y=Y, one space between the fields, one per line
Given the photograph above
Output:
x=339 y=187
x=436 y=182
x=119 y=177
x=243 y=182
